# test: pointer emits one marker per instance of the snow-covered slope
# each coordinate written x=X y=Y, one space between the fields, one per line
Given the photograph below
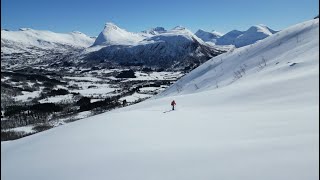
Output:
x=29 y=46
x=208 y=36
x=263 y=125
x=45 y=39
x=286 y=50
x=243 y=38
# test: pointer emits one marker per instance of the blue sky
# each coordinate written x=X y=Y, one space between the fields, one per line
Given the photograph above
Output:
x=90 y=16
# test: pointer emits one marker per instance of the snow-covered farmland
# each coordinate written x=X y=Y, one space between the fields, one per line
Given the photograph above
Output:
x=58 y=99
x=135 y=97
x=156 y=76
x=27 y=96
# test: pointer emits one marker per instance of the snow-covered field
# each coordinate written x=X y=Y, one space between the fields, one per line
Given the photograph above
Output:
x=134 y=97
x=24 y=129
x=57 y=99
x=258 y=123
x=83 y=78
x=99 y=91
x=27 y=95
x=157 y=76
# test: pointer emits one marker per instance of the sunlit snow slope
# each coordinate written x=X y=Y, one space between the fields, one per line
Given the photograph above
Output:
x=260 y=125
x=26 y=37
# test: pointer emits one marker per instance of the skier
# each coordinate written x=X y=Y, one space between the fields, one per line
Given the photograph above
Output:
x=173 y=103
x=124 y=103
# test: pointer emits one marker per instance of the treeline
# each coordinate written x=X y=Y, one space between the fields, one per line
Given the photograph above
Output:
x=32 y=77
x=22 y=115
x=108 y=103
x=12 y=135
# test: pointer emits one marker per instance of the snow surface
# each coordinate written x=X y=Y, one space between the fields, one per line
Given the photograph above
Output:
x=293 y=45
x=262 y=126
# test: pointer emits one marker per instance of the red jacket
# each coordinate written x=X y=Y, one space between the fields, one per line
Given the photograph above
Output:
x=173 y=103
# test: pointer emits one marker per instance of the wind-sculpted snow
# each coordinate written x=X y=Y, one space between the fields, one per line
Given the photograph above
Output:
x=263 y=125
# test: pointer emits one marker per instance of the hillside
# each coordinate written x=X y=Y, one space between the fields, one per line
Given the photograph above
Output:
x=30 y=46
x=249 y=114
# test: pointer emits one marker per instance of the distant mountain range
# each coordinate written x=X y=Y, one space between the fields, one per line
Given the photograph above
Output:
x=236 y=37
x=177 y=48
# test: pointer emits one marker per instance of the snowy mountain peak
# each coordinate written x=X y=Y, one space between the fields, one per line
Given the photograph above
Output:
x=261 y=28
x=208 y=36
x=155 y=31
x=200 y=31
x=159 y=29
x=110 y=26
x=244 y=38
x=77 y=32
x=113 y=35
x=24 y=29
x=216 y=33
x=26 y=39
x=179 y=28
